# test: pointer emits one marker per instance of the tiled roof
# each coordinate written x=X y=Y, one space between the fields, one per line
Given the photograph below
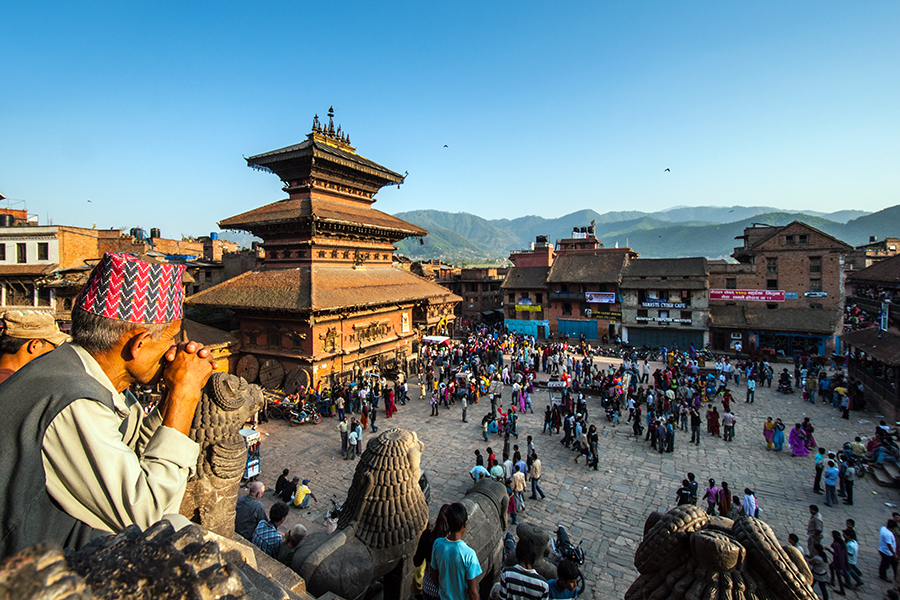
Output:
x=352 y=213
x=317 y=148
x=320 y=288
x=885 y=348
x=526 y=278
x=884 y=271
x=673 y=283
x=27 y=269
x=779 y=230
x=576 y=267
x=800 y=320
x=206 y=335
x=666 y=267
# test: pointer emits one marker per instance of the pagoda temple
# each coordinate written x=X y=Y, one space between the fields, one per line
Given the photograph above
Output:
x=328 y=302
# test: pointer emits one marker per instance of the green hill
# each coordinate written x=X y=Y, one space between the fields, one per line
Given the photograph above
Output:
x=681 y=231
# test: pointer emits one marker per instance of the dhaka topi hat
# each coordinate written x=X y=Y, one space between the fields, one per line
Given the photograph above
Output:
x=125 y=288
x=33 y=325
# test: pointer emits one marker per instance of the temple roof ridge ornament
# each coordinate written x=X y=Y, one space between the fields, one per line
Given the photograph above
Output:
x=329 y=134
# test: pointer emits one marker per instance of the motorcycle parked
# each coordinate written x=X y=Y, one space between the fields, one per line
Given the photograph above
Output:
x=299 y=416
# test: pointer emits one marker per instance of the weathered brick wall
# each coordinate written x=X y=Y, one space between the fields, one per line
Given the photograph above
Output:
x=76 y=245
x=792 y=272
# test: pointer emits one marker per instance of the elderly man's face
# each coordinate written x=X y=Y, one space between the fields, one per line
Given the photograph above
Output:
x=149 y=359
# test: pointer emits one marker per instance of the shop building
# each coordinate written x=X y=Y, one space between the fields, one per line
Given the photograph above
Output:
x=524 y=290
x=665 y=302
x=583 y=287
x=785 y=295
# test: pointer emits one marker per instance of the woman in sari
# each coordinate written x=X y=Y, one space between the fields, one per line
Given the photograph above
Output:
x=797 y=440
x=390 y=406
x=769 y=432
x=714 y=421
x=778 y=438
x=724 y=500
x=808 y=430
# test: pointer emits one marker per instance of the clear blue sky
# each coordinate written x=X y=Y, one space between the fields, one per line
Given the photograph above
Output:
x=546 y=107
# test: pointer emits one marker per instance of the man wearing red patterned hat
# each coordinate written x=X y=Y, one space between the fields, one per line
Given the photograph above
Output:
x=79 y=457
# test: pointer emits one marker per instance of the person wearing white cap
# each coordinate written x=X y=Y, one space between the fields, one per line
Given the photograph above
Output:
x=79 y=458
x=26 y=335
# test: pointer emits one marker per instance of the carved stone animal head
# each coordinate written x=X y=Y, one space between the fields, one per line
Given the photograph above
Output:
x=385 y=504
x=687 y=554
x=226 y=404
x=159 y=563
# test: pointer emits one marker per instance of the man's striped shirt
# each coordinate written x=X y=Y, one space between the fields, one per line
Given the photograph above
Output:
x=518 y=583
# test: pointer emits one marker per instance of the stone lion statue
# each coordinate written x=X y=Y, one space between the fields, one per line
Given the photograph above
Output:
x=686 y=553
x=378 y=528
x=211 y=495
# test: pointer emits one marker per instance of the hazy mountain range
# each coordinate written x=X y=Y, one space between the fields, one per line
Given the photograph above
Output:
x=462 y=238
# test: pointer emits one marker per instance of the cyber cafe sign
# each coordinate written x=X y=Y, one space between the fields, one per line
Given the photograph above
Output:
x=653 y=303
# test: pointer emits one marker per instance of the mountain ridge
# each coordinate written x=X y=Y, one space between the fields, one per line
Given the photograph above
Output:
x=678 y=231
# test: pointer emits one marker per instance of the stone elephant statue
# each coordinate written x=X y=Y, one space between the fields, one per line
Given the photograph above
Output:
x=378 y=528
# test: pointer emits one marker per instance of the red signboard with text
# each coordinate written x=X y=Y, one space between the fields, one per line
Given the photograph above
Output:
x=755 y=295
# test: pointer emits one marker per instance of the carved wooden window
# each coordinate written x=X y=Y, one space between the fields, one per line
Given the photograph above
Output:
x=273 y=337
x=372 y=332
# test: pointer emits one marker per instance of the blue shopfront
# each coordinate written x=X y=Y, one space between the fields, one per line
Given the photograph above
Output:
x=785 y=344
x=576 y=328
x=538 y=329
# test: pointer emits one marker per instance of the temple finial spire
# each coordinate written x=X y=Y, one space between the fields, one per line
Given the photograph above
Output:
x=329 y=131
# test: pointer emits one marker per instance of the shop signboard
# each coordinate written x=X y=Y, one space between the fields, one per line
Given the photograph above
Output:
x=608 y=315
x=528 y=308
x=815 y=294
x=600 y=297
x=524 y=301
x=663 y=319
x=791 y=296
x=753 y=295
x=655 y=303
x=883 y=317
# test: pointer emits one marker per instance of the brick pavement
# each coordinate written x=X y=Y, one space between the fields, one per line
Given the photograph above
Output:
x=607 y=508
